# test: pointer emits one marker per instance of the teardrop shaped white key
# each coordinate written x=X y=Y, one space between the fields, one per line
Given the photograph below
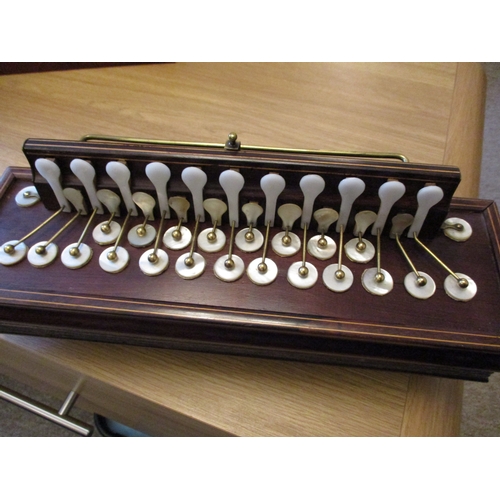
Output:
x=86 y=175
x=389 y=193
x=110 y=200
x=121 y=175
x=427 y=197
x=232 y=183
x=312 y=185
x=195 y=179
x=76 y=199
x=272 y=185
x=159 y=175
x=350 y=189
x=52 y=174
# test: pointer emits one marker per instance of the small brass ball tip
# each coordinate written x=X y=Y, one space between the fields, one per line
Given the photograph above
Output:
x=141 y=232
x=286 y=240
x=322 y=243
x=189 y=261
x=74 y=252
x=112 y=255
x=232 y=137
x=229 y=264
x=153 y=258
x=262 y=267
x=360 y=246
x=40 y=249
x=340 y=275
x=27 y=194
x=303 y=271
x=379 y=277
x=459 y=227
x=463 y=283
x=106 y=228
x=249 y=236
x=211 y=236
x=421 y=281
x=176 y=235
x=9 y=249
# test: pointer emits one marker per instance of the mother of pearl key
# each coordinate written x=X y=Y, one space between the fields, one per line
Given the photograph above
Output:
x=377 y=280
x=107 y=232
x=417 y=283
x=337 y=277
x=322 y=246
x=44 y=253
x=143 y=234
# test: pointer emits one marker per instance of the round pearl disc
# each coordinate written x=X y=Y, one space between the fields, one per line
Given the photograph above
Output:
x=117 y=265
x=321 y=253
x=455 y=292
x=172 y=244
x=20 y=252
x=189 y=273
x=211 y=246
x=225 y=274
x=48 y=257
x=106 y=238
x=334 y=284
x=27 y=201
x=262 y=278
x=302 y=282
x=355 y=255
x=76 y=262
x=153 y=268
x=370 y=285
x=419 y=292
x=282 y=250
x=249 y=246
x=141 y=241
x=455 y=234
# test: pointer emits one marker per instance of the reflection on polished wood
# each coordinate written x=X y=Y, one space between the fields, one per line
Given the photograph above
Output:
x=432 y=113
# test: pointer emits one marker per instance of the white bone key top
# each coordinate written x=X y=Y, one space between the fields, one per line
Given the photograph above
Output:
x=350 y=189
x=312 y=185
x=389 y=193
x=232 y=182
x=272 y=185
x=52 y=174
x=86 y=175
x=159 y=175
x=195 y=179
x=121 y=175
x=427 y=197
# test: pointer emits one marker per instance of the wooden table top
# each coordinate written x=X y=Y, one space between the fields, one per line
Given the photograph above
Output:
x=432 y=113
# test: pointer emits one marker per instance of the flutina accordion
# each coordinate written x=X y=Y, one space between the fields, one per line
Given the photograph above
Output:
x=353 y=259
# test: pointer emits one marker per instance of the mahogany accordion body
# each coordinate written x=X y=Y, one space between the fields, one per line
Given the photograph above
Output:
x=395 y=331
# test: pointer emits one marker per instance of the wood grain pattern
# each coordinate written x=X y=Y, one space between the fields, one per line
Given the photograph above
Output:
x=378 y=107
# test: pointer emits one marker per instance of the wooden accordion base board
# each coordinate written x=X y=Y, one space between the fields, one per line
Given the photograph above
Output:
x=438 y=336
